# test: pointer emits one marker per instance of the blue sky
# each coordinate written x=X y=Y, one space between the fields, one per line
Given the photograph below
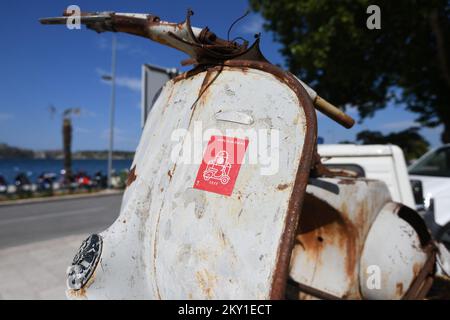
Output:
x=51 y=65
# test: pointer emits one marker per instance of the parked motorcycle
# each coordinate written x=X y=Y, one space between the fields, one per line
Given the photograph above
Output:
x=3 y=185
x=46 y=181
x=22 y=183
x=100 y=180
x=83 y=180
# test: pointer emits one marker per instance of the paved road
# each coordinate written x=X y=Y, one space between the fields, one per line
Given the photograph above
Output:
x=26 y=223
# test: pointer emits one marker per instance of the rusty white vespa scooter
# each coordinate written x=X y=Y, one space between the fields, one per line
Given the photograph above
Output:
x=221 y=222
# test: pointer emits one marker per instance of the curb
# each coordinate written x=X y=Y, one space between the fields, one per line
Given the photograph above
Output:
x=60 y=198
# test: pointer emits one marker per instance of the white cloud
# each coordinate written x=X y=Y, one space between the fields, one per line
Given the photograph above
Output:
x=105 y=133
x=120 y=136
x=131 y=83
x=254 y=25
x=400 y=125
x=106 y=43
x=132 y=50
x=87 y=113
x=82 y=130
x=101 y=71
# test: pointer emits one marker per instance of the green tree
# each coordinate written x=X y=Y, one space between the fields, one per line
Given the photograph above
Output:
x=409 y=140
x=328 y=44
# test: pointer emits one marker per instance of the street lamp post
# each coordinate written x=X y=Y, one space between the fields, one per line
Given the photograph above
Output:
x=112 y=77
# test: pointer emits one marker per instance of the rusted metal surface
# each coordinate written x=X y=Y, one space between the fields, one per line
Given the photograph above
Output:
x=353 y=225
x=335 y=220
x=201 y=44
x=131 y=176
x=423 y=280
x=334 y=113
x=319 y=170
x=307 y=291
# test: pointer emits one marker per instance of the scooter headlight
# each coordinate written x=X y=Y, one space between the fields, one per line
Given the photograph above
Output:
x=84 y=262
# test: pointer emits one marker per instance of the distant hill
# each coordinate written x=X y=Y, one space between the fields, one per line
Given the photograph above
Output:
x=10 y=152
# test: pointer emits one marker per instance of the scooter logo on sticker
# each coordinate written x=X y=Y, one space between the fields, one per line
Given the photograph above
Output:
x=221 y=164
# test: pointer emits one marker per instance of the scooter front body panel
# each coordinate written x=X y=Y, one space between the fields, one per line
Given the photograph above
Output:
x=175 y=241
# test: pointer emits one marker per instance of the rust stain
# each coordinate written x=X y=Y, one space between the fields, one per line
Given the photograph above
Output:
x=323 y=226
x=206 y=82
x=169 y=174
x=282 y=186
x=361 y=224
x=155 y=252
x=81 y=293
x=244 y=70
x=203 y=92
x=168 y=100
x=399 y=289
x=78 y=294
x=319 y=214
x=209 y=79
x=223 y=238
x=347 y=181
x=348 y=243
x=206 y=282
x=416 y=269
x=131 y=176
x=189 y=74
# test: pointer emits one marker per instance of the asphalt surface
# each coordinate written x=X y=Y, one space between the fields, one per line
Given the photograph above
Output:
x=26 y=223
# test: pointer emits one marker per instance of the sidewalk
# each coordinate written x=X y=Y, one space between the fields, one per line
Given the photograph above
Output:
x=37 y=270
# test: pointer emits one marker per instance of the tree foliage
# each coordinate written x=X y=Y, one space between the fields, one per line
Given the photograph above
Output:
x=409 y=140
x=328 y=44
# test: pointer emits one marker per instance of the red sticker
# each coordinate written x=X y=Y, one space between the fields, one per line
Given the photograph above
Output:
x=221 y=164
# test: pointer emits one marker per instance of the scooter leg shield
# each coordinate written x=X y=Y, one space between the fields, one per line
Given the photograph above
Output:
x=180 y=236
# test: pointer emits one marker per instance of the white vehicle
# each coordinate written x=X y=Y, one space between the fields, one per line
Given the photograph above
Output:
x=379 y=162
x=433 y=170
